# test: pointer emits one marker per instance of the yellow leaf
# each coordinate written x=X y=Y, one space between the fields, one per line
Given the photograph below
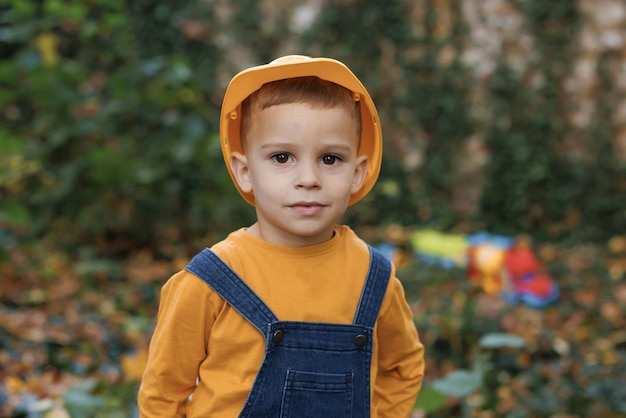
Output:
x=14 y=385
x=617 y=245
x=180 y=263
x=610 y=357
x=134 y=364
x=46 y=43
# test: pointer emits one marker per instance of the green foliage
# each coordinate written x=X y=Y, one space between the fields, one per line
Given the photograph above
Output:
x=110 y=119
x=537 y=185
x=462 y=383
x=555 y=27
x=109 y=135
x=430 y=400
x=458 y=384
x=436 y=98
x=499 y=340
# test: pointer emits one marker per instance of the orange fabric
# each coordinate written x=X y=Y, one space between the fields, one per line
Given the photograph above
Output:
x=199 y=338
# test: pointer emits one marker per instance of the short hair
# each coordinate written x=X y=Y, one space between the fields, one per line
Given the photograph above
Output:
x=311 y=90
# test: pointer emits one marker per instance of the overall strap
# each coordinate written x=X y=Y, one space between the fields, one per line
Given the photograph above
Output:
x=374 y=289
x=223 y=279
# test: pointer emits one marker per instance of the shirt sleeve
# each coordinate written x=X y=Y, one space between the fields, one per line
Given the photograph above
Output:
x=400 y=356
x=177 y=347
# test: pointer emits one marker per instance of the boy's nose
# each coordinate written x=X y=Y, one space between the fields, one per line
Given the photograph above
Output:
x=308 y=175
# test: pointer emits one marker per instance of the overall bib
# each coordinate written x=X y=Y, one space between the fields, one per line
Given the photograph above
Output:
x=310 y=369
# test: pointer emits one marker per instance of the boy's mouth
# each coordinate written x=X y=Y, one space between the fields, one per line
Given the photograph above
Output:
x=307 y=208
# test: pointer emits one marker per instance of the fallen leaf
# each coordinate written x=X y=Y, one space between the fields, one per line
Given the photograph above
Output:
x=134 y=364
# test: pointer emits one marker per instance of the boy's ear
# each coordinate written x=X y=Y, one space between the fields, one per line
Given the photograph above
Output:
x=241 y=171
x=359 y=173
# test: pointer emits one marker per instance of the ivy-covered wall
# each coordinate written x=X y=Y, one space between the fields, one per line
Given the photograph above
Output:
x=502 y=115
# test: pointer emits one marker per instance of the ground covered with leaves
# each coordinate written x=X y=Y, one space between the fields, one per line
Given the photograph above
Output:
x=74 y=333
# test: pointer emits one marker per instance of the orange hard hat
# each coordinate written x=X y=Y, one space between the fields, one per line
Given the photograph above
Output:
x=291 y=66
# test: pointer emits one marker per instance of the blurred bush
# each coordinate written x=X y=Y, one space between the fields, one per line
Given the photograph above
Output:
x=496 y=116
x=104 y=139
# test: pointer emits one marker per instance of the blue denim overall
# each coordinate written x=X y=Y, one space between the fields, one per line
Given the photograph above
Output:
x=310 y=369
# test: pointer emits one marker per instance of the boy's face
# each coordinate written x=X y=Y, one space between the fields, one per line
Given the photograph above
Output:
x=301 y=163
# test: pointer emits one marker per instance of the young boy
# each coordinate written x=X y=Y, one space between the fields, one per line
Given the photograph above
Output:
x=294 y=316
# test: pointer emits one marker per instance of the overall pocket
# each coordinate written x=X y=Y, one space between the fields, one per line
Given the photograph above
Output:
x=315 y=395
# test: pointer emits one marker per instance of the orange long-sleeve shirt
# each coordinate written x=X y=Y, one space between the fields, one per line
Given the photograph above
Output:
x=202 y=347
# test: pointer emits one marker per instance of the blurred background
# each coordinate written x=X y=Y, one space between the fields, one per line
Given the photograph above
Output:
x=505 y=117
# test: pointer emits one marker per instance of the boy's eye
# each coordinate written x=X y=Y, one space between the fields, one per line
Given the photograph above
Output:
x=330 y=159
x=281 y=158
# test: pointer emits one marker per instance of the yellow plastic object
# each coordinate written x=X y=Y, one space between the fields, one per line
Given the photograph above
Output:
x=451 y=247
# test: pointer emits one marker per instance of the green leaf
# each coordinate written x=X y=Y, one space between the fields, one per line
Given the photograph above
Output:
x=499 y=340
x=458 y=384
x=80 y=401
x=430 y=400
x=14 y=213
x=9 y=144
x=109 y=166
x=24 y=9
